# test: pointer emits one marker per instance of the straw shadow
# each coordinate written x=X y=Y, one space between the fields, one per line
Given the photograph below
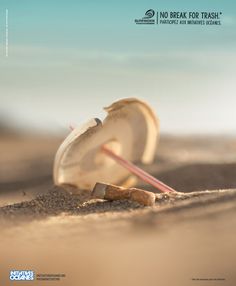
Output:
x=198 y=177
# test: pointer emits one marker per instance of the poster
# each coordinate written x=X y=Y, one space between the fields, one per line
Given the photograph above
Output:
x=61 y=63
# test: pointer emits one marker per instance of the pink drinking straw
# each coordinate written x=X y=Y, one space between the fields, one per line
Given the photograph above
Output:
x=144 y=176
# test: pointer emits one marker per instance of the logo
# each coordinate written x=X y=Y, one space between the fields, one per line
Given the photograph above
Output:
x=149 y=14
x=147 y=19
x=21 y=275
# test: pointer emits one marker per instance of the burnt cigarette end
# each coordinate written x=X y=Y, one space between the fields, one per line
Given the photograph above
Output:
x=112 y=193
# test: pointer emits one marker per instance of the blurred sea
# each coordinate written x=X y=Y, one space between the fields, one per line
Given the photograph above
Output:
x=197 y=95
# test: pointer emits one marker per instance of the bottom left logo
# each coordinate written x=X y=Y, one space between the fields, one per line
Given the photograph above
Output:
x=24 y=275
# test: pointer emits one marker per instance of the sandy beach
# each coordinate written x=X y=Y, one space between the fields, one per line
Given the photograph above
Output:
x=187 y=241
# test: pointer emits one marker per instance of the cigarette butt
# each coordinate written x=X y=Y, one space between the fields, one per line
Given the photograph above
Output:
x=112 y=193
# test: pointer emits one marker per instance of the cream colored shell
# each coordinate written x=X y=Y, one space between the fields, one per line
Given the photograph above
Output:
x=130 y=129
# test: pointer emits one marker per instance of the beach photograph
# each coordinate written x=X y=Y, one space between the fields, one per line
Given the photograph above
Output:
x=118 y=143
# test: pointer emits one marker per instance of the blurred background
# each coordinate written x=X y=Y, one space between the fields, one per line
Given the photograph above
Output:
x=68 y=59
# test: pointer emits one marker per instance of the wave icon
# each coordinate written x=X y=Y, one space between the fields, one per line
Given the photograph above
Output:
x=149 y=14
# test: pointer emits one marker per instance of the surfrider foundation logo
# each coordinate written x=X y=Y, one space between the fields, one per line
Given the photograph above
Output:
x=147 y=19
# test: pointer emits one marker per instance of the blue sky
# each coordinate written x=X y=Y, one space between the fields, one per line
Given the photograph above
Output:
x=67 y=59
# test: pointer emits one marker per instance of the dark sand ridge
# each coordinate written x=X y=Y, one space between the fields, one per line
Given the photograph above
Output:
x=121 y=243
